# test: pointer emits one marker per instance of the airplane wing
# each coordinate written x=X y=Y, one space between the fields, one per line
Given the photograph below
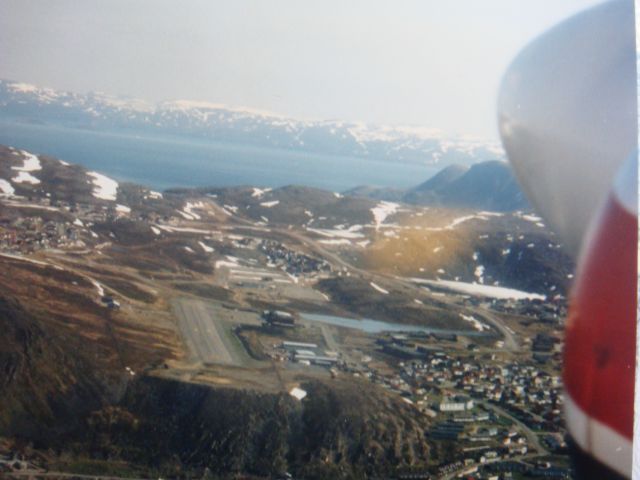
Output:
x=567 y=113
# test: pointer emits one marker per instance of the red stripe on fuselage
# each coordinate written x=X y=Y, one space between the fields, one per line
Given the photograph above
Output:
x=599 y=366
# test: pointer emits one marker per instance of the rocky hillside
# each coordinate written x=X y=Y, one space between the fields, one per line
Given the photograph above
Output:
x=488 y=185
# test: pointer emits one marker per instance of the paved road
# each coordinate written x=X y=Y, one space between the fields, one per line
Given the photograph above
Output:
x=510 y=341
x=532 y=439
x=201 y=333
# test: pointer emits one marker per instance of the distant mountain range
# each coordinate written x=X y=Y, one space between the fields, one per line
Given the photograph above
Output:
x=28 y=103
x=487 y=185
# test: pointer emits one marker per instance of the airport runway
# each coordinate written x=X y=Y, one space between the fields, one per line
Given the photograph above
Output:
x=201 y=333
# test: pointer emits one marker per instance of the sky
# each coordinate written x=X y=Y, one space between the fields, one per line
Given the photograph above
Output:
x=431 y=63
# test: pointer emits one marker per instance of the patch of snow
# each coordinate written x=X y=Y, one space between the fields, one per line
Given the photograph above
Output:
x=230 y=262
x=64 y=164
x=205 y=247
x=479 y=272
x=363 y=244
x=98 y=287
x=259 y=192
x=531 y=218
x=460 y=220
x=155 y=230
x=382 y=211
x=437 y=249
x=481 y=290
x=189 y=249
x=270 y=204
x=188 y=209
x=477 y=324
x=104 y=187
x=6 y=189
x=169 y=229
x=379 y=289
x=155 y=195
x=25 y=177
x=77 y=222
x=22 y=87
x=340 y=241
x=122 y=208
x=351 y=232
x=31 y=163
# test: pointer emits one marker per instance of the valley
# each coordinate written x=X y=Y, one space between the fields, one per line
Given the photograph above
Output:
x=269 y=331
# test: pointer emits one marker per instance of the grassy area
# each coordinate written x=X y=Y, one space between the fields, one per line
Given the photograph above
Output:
x=249 y=338
x=128 y=289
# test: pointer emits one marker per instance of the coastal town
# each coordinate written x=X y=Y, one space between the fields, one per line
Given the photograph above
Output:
x=477 y=363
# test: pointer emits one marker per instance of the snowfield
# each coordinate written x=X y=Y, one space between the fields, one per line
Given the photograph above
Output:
x=259 y=192
x=205 y=247
x=25 y=177
x=188 y=213
x=382 y=211
x=31 y=163
x=122 y=209
x=350 y=233
x=341 y=241
x=104 y=187
x=379 y=288
x=270 y=204
x=6 y=188
x=475 y=289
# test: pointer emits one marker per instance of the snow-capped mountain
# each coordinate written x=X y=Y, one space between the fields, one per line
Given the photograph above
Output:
x=25 y=102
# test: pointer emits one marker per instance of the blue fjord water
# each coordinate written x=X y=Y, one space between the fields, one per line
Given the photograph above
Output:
x=162 y=162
